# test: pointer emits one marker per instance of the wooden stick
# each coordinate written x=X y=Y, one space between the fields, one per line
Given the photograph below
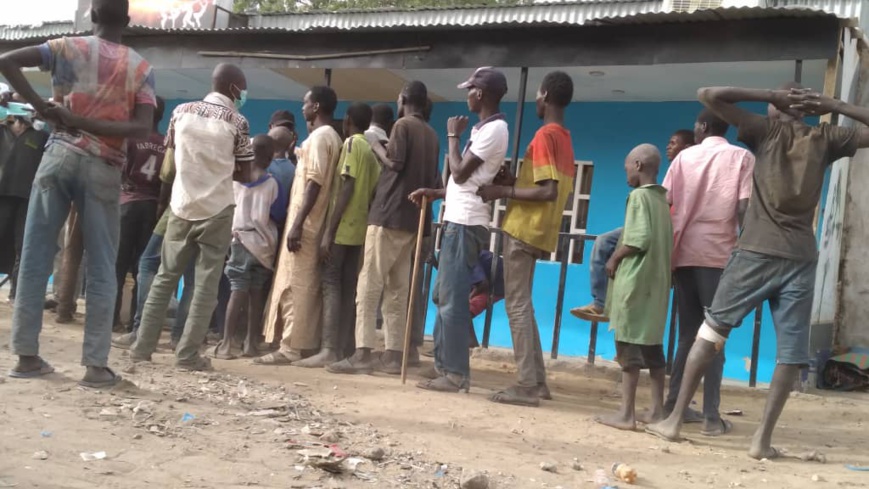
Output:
x=413 y=292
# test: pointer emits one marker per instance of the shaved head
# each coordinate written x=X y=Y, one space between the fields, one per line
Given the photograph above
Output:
x=648 y=156
x=228 y=79
x=283 y=138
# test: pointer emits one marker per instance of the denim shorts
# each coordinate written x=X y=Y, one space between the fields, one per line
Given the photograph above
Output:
x=752 y=278
x=243 y=270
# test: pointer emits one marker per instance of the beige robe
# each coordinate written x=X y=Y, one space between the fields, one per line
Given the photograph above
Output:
x=295 y=298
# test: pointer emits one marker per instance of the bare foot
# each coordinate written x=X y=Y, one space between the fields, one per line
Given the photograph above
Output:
x=223 y=351
x=327 y=356
x=759 y=450
x=250 y=350
x=650 y=417
x=666 y=430
x=617 y=421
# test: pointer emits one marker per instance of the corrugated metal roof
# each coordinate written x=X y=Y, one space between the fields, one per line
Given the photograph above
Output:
x=48 y=29
x=569 y=13
x=581 y=12
x=844 y=9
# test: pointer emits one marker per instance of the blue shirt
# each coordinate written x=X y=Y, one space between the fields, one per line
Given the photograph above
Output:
x=483 y=271
x=284 y=171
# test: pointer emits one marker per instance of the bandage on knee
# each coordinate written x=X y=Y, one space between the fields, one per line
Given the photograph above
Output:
x=707 y=333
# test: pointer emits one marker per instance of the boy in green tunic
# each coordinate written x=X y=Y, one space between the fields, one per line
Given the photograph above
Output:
x=639 y=288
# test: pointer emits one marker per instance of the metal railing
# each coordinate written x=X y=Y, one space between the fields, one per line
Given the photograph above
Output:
x=564 y=242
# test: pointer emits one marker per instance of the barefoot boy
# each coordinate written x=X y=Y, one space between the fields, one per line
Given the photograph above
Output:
x=776 y=255
x=640 y=286
x=252 y=251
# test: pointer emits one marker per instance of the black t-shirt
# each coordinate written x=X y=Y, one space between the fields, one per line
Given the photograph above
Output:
x=413 y=146
x=791 y=159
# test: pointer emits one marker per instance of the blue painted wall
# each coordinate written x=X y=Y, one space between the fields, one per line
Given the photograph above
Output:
x=602 y=133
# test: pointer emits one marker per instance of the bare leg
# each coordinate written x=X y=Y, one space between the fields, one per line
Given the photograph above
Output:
x=779 y=389
x=656 y=412
x=255 y=311
x=701 y=356
x=624 y=419
x=234 y=310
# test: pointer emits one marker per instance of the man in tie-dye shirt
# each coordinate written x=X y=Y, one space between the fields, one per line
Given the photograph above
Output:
x=102 y=94
x=531 y=227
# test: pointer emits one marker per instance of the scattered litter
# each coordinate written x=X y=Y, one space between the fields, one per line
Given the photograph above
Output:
x=187 y=417
x=45 y=434
x=624 y=472
x=548 y=467
x=576 y=465
x=734 y=412
x=375 y=454
x=89 y=457
x=40 y=455
x=814 y=456
x=441 y=471
x=300 y=384
x=323 y=459
x=263 y=413
x=817 y=478
x=857 y=468
x=109 y=413
x=330 y=437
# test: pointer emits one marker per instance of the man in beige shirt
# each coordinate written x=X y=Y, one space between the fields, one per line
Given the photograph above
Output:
x=295 y=298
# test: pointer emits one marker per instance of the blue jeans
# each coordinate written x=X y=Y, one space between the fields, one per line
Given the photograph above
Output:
x=604 y=247
x=752 y=278
x=460 y=251
x=65 y=177
x=149 y=264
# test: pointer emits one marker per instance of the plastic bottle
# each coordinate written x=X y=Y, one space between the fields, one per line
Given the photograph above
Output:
x=602 y=480
x=624 y=472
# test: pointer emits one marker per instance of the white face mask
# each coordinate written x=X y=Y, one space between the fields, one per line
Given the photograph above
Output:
x=40 y=125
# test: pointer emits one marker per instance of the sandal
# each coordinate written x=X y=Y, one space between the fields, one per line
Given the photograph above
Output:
x=650 y=430
x=590 y=313
x=346 y=367
x=445 y=383
x=201 y=364
x=431 y=373
x=724 y=428
x=44 y=369
x=275 y=358
x=512 y=397
x=387 y=368
x=113 y=381
x=543 y=392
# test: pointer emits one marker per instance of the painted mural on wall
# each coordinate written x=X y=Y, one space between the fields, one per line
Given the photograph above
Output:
x=171 y=14
x=162 y=14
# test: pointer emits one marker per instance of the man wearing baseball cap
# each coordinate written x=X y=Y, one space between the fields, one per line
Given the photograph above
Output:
x=465 y=219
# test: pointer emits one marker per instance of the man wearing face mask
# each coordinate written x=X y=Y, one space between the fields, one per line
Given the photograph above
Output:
x=21 y=148
x=206 y=144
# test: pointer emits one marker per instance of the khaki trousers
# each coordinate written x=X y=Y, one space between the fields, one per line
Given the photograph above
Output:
x=300 y=303
x=520 y=259
x=386 y=270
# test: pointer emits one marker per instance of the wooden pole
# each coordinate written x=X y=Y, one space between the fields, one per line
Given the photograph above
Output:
x=830 y=81
x=413 y=280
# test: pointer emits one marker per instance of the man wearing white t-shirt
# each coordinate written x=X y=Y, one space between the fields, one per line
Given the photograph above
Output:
x=466 y=217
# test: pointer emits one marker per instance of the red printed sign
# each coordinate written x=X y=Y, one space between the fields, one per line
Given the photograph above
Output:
x=172 y=14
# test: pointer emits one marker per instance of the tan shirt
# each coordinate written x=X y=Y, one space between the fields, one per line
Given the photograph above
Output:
x=318 y=158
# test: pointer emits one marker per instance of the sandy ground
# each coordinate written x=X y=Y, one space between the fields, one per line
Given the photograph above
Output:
x=246 y=425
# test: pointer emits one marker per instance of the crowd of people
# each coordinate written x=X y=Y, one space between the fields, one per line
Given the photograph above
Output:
x=304 y=249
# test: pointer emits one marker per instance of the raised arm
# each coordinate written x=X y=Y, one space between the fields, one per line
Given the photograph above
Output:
x=815 y=103
x=392 y=158
x=723 y=100
x=461 y=166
